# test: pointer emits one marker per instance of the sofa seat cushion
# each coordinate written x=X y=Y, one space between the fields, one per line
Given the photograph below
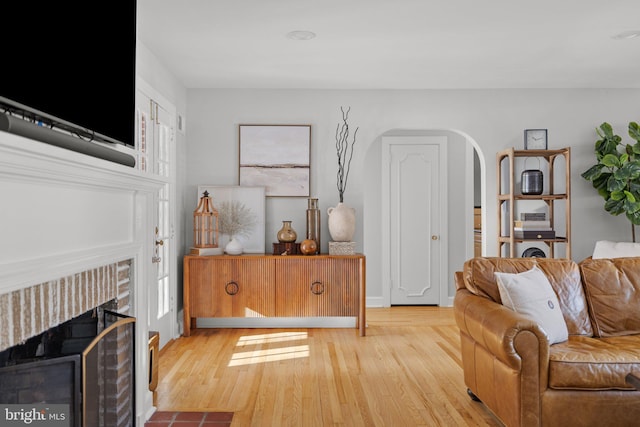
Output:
x=585 y=363
x=563 y=274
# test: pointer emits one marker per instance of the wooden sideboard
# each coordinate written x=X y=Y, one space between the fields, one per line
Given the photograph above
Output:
x=239 y=286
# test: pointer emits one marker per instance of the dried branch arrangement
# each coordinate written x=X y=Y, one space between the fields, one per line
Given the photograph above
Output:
x=235 y=219
x=344 y=150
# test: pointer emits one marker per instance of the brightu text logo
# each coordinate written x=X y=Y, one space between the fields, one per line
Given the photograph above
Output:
x=36 y=415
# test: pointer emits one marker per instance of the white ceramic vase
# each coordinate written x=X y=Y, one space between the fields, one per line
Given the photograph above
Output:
x=342 y=223
x=233 y=247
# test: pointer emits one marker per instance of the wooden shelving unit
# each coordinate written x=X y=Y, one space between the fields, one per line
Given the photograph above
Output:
x=508 y=198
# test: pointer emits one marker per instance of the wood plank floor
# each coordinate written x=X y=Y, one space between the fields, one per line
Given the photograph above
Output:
x=405 y=372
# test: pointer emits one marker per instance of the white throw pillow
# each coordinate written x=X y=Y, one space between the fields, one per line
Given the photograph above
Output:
x=531 y=294
x=606 y=249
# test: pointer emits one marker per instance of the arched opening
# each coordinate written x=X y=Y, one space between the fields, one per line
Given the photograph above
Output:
x=466 y=189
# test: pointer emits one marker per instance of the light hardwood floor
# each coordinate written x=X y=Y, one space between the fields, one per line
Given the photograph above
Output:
x=405 y=372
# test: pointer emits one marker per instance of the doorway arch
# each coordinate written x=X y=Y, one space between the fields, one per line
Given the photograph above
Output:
x=460 y=203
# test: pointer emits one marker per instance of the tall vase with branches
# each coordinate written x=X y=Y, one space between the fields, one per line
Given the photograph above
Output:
x=342 y=218
x=344 y=150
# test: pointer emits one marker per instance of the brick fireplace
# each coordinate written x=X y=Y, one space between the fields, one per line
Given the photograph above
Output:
x=32 y=310
x=75 y=232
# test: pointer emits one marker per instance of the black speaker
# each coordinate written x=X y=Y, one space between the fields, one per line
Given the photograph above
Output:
x=533 y=253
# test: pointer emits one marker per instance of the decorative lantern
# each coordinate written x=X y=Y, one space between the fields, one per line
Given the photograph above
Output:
x=205 y=223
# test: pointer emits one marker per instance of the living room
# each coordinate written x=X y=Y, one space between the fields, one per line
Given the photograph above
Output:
x=485 y=117
x=481 y=102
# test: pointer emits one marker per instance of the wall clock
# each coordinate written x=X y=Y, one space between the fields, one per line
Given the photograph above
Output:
x=535 y=139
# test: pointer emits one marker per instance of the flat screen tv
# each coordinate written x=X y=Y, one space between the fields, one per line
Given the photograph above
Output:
x=71 y=62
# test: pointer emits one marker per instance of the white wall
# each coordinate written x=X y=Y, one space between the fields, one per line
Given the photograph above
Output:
x=494 y=119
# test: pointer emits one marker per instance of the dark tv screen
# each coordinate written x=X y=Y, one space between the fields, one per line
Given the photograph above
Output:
x=74 y=61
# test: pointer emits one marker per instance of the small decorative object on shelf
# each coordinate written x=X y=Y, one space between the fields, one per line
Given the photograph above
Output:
x=313 y=222
x=535 y=139
x=533 y=253
x=287 y=234
x=205 y=227
x=342 y=222
x=342 y=248
x=308 y=247
x=286 y=248
x=234 y=247
x=531 y=180
x=532 y=229
x=235 y=220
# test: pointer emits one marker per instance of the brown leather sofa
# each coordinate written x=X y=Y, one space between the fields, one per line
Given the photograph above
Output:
x=510 y=366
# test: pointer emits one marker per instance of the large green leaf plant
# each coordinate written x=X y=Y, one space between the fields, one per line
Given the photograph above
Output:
x=616 y=175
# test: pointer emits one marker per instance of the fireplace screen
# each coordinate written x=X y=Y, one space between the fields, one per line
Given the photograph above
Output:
x=91 y=374
x=109 y=375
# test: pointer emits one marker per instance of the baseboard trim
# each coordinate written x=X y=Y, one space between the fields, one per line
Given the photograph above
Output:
x=277 y=322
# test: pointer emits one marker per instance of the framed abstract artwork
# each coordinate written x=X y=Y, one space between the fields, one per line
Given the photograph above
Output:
x=277 y=157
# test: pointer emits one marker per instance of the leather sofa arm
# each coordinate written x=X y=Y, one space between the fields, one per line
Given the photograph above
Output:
x=505 y=357
x=497 y=329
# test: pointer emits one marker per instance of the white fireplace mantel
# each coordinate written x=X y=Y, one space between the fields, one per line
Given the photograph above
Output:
x=63 y=212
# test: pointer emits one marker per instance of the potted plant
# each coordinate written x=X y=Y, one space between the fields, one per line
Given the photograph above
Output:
x=235 y=220
x=616 y=175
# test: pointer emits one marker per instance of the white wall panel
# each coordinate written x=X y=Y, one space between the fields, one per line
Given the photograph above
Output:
x=44 y=218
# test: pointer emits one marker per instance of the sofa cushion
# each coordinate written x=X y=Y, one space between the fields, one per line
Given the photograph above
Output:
x=563 y=274
x=586 y=363
x=530 y=293
x=612 y=287
x=607 y=249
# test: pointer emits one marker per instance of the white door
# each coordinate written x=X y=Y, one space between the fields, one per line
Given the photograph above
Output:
x=156 y=151
x=415 y=215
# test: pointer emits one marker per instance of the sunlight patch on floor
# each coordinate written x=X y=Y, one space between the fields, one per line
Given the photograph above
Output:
x=271 y=338
x=271 y=354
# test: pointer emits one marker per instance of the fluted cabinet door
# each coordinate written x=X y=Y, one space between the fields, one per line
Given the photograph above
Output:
x=203 y=287
x=255 y=295
x=231 y=287
x=316 y=287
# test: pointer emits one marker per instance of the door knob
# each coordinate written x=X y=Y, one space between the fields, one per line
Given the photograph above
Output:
x=434 y=237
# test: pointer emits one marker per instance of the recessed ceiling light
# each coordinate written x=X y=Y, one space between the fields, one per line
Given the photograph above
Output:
x=301 y=35
x=625 y=35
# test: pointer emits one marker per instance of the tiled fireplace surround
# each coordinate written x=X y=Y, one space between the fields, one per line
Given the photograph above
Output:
x=75 y=232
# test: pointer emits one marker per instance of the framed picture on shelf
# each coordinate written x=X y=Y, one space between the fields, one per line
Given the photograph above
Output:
x=535 y=139
x=277 y=157
x=249 y=199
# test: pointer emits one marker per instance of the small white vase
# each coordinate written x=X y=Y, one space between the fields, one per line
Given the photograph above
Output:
x=342 y=222
x=233 y=247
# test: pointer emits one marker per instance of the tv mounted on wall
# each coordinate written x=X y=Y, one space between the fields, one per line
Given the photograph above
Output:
x=71 y=66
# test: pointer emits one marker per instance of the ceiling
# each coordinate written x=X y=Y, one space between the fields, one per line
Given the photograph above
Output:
x=401 y=44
